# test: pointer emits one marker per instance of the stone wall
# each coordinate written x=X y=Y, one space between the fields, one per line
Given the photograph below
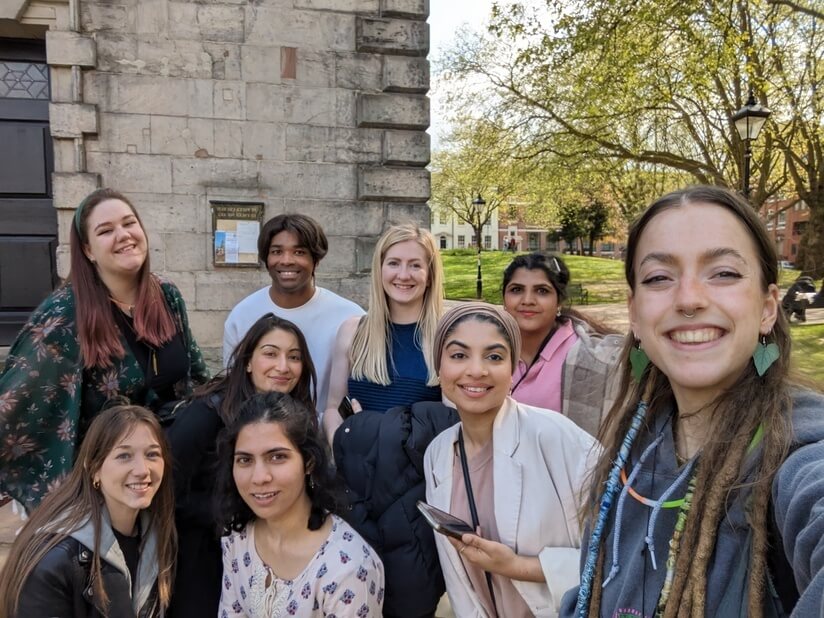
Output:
x=312 y=106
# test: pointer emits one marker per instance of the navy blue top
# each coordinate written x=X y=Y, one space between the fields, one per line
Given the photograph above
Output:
x=407 y=372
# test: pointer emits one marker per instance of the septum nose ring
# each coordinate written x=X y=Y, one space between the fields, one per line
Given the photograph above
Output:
x=688 y=315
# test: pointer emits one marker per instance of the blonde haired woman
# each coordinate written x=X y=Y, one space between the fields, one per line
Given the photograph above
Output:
x=384 y=359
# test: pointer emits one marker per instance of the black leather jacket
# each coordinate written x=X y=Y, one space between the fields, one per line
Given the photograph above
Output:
x=60 y=587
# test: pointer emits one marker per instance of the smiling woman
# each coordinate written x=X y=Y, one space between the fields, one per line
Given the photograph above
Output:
x=286 y=551
x=113 y=333
x=103 y=543
x=705 y=501
x=511 y=470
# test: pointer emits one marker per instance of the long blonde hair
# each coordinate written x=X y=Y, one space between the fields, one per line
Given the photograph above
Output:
x=367 y=356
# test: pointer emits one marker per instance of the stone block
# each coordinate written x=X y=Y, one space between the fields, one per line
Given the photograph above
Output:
x=343 y=6
x=264 y=140
x=410 y=9
x=313 y=106
x=342 y=255
x=341 y=218
x=265 y=102
x=353 y=287
x=166 y=213
x=364 y=252
x=315 y=68
x=176 y=58
x=206 y=22
x=327 y=181
x=221 y=289
x=69 y=188
x=229 y=138
x=398 y=111
x=226 y=60
x=393 y=183
x=60 y=83
x=346 y=106
x=98 y=17
x=175 y=135
x=229 y=100
x=402 y=74
x=326 y=31
x=185 y=252
x=404 y=212
x=69 y=49
x=260 y=63
x=194 y=175
x=207 y=329
x=358 y=71
x=406 y=148
x=65 y=155
x=332 y=145
x=152 y=16
x=64 y=260
x=122 y=133
x=392 y=36
x=143 y=94
x=185 y=282
x=68 y=120
x=132 y=172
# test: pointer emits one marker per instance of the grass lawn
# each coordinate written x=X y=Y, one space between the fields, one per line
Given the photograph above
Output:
x=808 y=350
x=602 y=277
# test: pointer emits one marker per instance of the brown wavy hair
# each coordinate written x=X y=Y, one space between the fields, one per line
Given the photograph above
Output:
x=720 y=476
x=75 y=502
x=97 y=332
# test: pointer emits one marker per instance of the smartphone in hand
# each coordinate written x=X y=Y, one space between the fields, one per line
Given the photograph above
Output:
x=345 y=408
x=443 y=522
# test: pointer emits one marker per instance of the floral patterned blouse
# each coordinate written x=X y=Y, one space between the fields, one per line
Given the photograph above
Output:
x=344 y=578
x=47 y=399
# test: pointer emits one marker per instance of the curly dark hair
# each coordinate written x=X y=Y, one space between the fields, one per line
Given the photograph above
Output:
x=300 y=426
x=308 y=232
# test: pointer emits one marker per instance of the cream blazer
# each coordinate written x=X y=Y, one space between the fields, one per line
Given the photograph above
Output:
x=541 y=460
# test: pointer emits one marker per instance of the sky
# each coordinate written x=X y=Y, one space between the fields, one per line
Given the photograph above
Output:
x=445 y=18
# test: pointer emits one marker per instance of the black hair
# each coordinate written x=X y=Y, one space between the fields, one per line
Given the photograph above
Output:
x=308 y=231
x=554 y=268
x=236 y=384
x=299 y=423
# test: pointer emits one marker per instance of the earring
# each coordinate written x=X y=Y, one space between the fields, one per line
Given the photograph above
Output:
x=558 y=313
x=765 y=355
x=638 y=361
x=96 y=483
x=311 y=481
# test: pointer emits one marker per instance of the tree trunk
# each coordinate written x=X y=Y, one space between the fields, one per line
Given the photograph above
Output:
x=810 y=258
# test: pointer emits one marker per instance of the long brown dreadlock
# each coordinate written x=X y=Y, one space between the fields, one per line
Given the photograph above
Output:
x=724 y=472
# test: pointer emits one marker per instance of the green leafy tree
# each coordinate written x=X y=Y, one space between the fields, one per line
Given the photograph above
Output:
x=654 y=83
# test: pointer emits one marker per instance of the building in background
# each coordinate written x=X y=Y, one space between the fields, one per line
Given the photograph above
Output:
x=312 y=106
x=786 y=221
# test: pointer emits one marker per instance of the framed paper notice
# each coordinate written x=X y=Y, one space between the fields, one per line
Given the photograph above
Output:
x=236 y=228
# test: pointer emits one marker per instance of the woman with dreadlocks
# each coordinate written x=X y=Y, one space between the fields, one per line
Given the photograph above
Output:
x=704 y=501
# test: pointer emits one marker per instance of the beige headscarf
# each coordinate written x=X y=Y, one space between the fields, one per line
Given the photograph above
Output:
x=486 y=313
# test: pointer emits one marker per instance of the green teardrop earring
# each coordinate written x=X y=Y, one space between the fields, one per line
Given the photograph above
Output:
x=765 y=355
x=638 y=361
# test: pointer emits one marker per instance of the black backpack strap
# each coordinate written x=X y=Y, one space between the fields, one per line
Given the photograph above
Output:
x=779 y=570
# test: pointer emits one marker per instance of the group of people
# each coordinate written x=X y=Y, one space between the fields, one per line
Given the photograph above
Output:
x=677 y=469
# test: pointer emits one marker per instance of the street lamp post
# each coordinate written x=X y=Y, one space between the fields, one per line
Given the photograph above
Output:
x=479 y=203
x=748 y=122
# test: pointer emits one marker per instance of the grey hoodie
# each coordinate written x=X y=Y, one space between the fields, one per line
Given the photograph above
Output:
x=798 y=502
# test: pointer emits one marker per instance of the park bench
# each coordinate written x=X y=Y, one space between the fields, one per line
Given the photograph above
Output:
x=577 y=294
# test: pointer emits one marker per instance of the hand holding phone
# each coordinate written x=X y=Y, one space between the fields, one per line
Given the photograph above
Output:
x=345 y=408
x=443 y=522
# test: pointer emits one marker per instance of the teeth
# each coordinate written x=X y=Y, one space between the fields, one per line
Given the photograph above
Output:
x=702 y=335
x=475 y=389
x=137 y=485
x=264 y=496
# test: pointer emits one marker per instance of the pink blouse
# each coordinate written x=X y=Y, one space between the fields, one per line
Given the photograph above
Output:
x=542 y=385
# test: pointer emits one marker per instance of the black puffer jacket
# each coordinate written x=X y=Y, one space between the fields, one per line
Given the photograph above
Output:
x=60 y=585
x=380 y=457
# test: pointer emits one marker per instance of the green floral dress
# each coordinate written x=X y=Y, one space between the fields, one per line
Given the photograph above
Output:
x=47 y=399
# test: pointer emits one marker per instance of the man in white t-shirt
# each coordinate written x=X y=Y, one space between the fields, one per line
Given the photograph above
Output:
x=291 y=246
